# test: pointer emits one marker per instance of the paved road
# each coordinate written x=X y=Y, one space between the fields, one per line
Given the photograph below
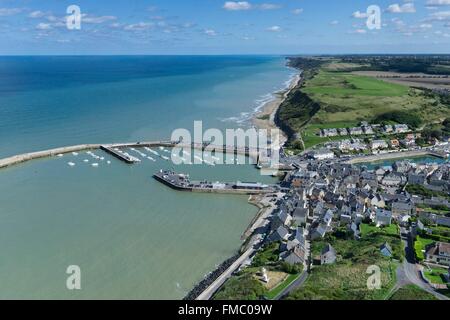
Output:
x=408 y=272
x=294 y=285
x=256 y=240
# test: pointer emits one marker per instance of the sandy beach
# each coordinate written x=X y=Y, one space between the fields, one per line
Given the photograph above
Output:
x=265 y=119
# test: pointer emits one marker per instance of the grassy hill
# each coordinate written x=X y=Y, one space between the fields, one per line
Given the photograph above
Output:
x=332 y=96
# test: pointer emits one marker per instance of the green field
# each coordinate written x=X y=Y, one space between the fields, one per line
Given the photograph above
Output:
x=420 y=245
x=272 y=294
x=337 y=99
x=347 y=278
x=346 y=97
x=367 y=229
x=346 y=84
x=411 y=292
x=435 y=275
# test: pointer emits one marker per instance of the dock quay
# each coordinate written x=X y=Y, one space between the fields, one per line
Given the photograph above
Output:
x=114 y=151
x=181 y=182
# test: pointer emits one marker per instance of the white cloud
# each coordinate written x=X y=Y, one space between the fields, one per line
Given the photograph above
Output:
x=36 y=14
x=140 y=26
x=85 y=18
x=44 y=26
x=297 y=11
x=438 y=3
x=9 y=11
x=361 y=31
x=439 y=16
x=405 y=8
x=334 y=22
x=359 y=15
x=210 y=32
x=236 y=6
x=269 y=6
x=274 y=29
x=426 y=26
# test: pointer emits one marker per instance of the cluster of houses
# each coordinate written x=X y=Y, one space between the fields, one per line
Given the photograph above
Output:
x=323 y=194
x=364 y=129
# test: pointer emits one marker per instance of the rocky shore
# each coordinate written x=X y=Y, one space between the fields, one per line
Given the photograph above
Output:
x=210 y=278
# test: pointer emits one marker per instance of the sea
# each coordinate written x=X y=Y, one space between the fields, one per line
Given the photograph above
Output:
x=128 y=236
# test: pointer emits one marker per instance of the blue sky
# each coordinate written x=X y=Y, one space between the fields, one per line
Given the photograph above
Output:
x=223 y=27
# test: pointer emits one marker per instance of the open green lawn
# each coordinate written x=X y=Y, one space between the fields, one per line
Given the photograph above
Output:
x=272 y=294
x=435 y=275
x=344 y=99
x=347 y=278
x=419 y=246
x=367 y=229
x=337 y=83
x=411 y=292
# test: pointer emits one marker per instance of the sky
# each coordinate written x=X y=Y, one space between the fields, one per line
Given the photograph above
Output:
x=38 y=27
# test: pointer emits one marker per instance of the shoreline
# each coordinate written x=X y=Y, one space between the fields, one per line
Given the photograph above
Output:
x=265 y=117
x=268 y=110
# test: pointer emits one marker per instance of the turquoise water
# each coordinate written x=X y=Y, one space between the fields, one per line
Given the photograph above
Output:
x=132 y=237
x=418 y=160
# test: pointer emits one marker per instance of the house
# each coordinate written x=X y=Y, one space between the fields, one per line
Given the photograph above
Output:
x=416 y=178
x=386 y=250
x=401 y=208
x=356 y=131
x=367 y=129
x=343 y=131
x=280 y=234
x=300 y=215
x=438 y=253
x=319 y=232
x=328 y=255
x=323 y=154
x=401 y=128
x=443 y=221
x=378 y=144
x=388 y=128
x=294 y=256
x=392 y=180
x=282 y=218
x=394 y=143
x=383 y=217
x=329 y=133
x=377 y=200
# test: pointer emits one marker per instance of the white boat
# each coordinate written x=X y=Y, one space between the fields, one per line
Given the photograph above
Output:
x=153 y=151
x=161 y=148
x=75 y=153
x=165 y=158
x=85 y=160
x=166 y=151
x=95 y=164
x=71 y=164
x=108 y=162
x=150 y=158
x=60 y=155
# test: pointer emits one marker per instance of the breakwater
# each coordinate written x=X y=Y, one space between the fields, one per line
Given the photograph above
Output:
x=17 y=159
x=210 y=278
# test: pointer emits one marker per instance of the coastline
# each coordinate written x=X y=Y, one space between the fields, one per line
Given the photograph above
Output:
x=265 y=117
